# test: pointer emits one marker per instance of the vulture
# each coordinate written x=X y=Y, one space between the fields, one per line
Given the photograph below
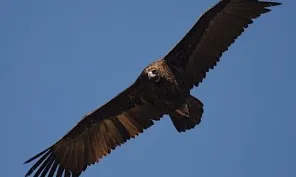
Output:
x=162 y=88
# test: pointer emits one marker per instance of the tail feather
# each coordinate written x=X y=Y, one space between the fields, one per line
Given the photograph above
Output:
x=183 y=122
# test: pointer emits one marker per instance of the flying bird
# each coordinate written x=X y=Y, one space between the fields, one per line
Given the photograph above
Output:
x=162 y=88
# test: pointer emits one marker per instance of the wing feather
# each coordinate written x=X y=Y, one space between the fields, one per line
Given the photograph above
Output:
x=96 y=135
x=48 y=166
x=53 y=169
x=201 y=48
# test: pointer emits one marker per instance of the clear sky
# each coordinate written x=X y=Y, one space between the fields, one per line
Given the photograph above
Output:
x=62 y=59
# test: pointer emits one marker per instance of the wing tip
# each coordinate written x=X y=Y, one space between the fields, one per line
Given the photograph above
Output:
x=275 y=3
x=270 y=4
x=36 y=156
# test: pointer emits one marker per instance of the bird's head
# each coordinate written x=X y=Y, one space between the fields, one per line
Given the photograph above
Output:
x=153 y=75
x=157 y=75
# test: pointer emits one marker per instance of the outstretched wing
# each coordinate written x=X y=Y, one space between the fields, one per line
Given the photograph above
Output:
x=96 y=135
x=202 y=47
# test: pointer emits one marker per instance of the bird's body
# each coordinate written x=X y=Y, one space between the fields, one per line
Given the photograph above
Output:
x=168 y=93
x=163 y=88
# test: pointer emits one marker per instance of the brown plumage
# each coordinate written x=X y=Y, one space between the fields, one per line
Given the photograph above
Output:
x=162 y=88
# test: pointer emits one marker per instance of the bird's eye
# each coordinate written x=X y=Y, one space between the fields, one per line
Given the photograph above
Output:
x=153 y=75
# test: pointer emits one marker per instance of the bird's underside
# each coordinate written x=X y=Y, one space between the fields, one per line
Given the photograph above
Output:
x=162 y=88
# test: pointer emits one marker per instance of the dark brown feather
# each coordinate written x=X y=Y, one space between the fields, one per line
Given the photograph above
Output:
x=95 y=136
x=202 y=47
x=48 y=166
x=184 y=122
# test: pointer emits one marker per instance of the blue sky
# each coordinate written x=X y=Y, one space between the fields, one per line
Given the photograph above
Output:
x=62 y=59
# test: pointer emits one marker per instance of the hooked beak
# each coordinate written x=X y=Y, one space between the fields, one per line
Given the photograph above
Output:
x=151 y=75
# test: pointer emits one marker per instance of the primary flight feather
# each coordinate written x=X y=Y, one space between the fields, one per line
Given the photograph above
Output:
x=162 y=88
